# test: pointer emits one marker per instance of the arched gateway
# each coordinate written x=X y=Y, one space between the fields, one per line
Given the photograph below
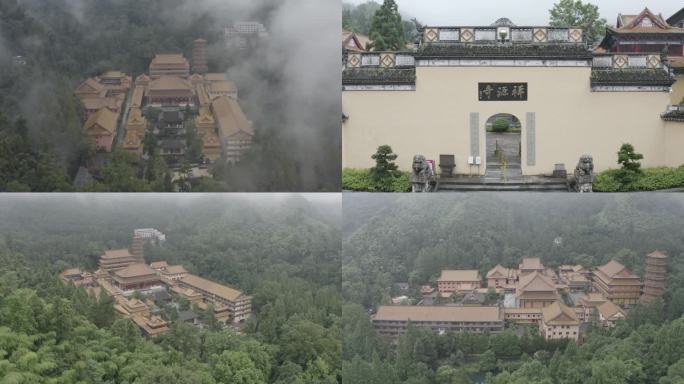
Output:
x=564 y=99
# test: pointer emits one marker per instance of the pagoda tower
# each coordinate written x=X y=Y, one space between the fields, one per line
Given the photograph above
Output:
x=199 y=57
x=654 y=281
x=137 y=248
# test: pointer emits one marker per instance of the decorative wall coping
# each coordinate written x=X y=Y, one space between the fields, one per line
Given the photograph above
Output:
x=627 y=60
x=494 y=34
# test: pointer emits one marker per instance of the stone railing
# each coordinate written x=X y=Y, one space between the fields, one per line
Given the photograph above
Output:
x=624 y=61
x=494 y=34
x=380 y=60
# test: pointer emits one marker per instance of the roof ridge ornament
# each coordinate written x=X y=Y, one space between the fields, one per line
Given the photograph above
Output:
x=503 y=22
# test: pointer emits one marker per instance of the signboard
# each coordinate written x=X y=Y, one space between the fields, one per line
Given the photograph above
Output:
x=502 y=91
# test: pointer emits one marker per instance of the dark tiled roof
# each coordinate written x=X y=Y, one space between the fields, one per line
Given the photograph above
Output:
x=379 y=76
x=673 y=116
x=496 y=51
x=600 y=76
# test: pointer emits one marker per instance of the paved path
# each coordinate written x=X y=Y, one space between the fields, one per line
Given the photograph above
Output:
x=509 y=144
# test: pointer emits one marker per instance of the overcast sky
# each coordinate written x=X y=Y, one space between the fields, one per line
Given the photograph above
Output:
x=521 y=12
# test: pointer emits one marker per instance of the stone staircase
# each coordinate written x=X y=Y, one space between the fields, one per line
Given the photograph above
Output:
x=493 y=180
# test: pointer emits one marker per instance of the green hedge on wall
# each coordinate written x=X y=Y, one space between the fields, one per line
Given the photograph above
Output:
x=650 y=179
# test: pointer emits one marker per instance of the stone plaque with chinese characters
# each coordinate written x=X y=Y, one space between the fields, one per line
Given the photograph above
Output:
x=502 y=91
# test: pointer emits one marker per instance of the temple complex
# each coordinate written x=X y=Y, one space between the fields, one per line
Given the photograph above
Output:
x=125 y=279
x=546 y=79
x=617 y=283
x=558 y=303
x=209 y=100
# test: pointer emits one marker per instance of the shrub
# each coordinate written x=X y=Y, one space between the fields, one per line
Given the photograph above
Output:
x=649 y=179
x=363 y=180
x=500 y=125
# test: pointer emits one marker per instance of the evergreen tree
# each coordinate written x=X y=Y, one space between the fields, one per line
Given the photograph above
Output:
x=384 y=162
x=629 y=159
x=387 y=28
x=574 y=13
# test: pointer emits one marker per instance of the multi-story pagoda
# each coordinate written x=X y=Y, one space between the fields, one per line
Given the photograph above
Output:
x=654 y=281
x=199 y=57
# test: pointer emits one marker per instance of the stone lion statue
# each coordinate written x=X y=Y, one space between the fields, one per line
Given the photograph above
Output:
x=422 y=175
x=584 y=174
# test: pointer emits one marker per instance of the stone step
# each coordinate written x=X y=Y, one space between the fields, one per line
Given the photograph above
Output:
x=514 y=187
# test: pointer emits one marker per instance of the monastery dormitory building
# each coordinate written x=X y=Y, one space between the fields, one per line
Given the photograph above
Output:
x=569 y=99
x=169 y=84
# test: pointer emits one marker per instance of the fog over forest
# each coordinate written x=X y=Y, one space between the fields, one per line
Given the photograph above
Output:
x=288 y=82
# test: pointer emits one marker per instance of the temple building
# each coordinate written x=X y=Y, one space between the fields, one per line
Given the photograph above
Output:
x=171 y=91
x=206 y=129
x=523 y=315
x=529 y=265
x=170 y=272
x=136 y=276
x=451 y=281
x=354 y=42
x=235 y=302
x=502 y=277
x=609 y=314
x=135 y=131
x=559 y=322
x=101 y=128
x=459 y=77
x=116 y=259
x=575 y=277
x=535 y=290
x=169 y=65
x=617 y=283
x=654 y=281
x=77 y=277
x=588 y=304
x=235 y=131
x=151 y=326
x=648 y=32
x=102 y=98
x=226 y=88
x=393 y=320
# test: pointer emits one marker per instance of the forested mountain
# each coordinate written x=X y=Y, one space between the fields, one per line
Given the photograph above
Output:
x=277 y=248
x=62 y=42
x=413 y=238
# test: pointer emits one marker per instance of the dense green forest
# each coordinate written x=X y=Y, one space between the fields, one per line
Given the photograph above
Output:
x=62 y=42
x=283 y=250
x=411 y=238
